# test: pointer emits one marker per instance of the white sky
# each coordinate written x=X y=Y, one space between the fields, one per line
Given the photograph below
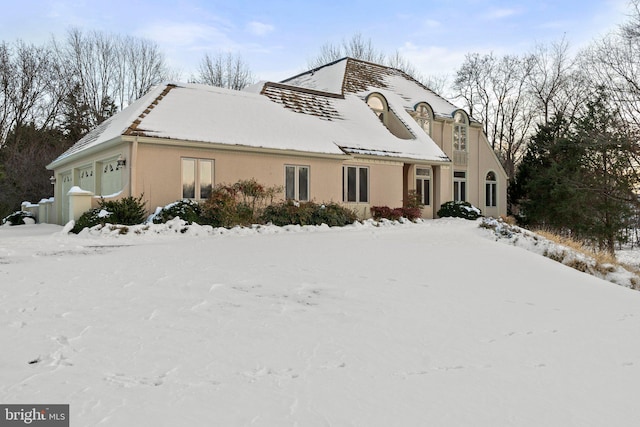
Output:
x=277 y=38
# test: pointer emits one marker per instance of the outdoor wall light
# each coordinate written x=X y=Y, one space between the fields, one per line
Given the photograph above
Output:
x=121 y=162
x=52 y=180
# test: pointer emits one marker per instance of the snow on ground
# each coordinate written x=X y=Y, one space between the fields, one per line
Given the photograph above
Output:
x=420 y=324
x=614 y=273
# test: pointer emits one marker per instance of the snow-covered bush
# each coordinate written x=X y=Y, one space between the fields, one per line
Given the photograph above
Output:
x=503 y=227
x=125 y=211
x=459 y=210
x=91 y=218
x=18 y=218
x=188 y=210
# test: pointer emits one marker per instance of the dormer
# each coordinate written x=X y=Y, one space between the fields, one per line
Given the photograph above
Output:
x=380 y=107
x=423 y=115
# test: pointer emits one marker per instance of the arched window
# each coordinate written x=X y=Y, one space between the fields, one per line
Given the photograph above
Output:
x=424 y=116
x=491 y=190
x=378 y=106
x=460 y=124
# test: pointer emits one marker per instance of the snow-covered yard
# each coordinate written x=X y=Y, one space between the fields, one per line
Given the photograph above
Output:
x=433 y=323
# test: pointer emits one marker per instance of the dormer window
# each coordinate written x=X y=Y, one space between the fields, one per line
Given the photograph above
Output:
x=424 y=116
x=380 y=107
x=377 y=105
x=460 y=124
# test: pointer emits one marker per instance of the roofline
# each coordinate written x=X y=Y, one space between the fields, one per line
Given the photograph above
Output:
x=301 y=89
x=91 y=150
x=400 y=159
x=152 y=140
x=313 y=70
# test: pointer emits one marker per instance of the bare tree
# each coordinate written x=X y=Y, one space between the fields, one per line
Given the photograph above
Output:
x=111 y=71
x=144 y=67
x=356 y=47
x=471 y=84
x=631 y=29
x=227 y=71
x=551 y=68
x=27 y=88
x=614 y=64
x=495 y=92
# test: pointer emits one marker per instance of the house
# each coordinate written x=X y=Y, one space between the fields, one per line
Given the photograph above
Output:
x=351 y=131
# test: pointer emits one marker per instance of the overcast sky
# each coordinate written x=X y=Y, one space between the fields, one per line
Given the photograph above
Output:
x=278 y=38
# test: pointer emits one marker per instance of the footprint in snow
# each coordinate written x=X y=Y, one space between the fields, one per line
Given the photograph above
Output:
x=128 y=382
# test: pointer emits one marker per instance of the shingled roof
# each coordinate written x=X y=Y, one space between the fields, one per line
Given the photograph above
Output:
x=320 y=111
x=302 y=100
x=348 y=75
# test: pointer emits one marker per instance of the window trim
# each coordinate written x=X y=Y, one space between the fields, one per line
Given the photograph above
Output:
x=380 y=113
x=296 y=182
x=420 y=117
x=460 y=131
x=197 y=172
x=460 y=186
x=491 y=190
x=424 y=178
x=357 y=184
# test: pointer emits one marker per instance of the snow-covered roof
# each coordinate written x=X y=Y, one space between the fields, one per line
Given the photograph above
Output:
x=348 y=75
x=310 y=113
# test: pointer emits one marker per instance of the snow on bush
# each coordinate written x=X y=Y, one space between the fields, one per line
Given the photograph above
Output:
x=459 y=210
x=578 y=260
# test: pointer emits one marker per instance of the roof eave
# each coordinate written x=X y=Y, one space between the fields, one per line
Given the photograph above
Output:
x=154 y=140
x=89 y=151
x=402 y=159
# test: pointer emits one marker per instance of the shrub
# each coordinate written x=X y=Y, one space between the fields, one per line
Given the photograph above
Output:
x=222 y=208
x=17 y=218
x=307 y=213
x=380 y=212
x=459 y=210
x=237 y=204
x=332 y=214
x=91 y=218
x=411 y=213
x=188 y=210
x=125 y=211
x=385 y=212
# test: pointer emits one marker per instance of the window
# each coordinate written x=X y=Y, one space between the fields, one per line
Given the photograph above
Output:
x=86 y=178
x=197 y=178
x=459 y=186
x=355 y=184
x=296 y=182
x=460 y=132
x=423 y=185
x=423 y=117
x=377 y=105
x=491 y=190
x=109 y=176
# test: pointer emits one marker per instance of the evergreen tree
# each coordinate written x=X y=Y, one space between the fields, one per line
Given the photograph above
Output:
x=609 y=176
x=544 y=183
x=579 y=179
x=76 y=115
